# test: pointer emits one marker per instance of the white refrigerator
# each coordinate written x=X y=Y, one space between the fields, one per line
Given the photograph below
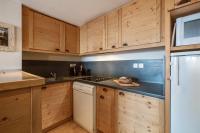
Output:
x=185 y=92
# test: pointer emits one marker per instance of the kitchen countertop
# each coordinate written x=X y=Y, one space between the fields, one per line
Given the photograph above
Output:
x=149 y=89
x=17 y=79
x=62 y=79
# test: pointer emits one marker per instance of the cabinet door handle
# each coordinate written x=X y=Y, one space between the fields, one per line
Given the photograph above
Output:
x=66 y=50
x=102 y=97
x=121 y=93
x=125 y=44
x=113 y=46
x=100 y=48
x=44 y=87
x=4 y=119
x=105 y=90
x=57 y=49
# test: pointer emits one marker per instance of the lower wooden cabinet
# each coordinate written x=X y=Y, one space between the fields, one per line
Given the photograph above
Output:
x=139 y=114
x=125 y=112
x=20 y=111
x=105 y=108
x=56 y=104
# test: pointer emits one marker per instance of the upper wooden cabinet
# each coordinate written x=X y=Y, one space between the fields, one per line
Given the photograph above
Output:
x=113 y=29
x=48 y=33
x=72 y=34
x=45 y=34
x=141 y=22
x=96 y=34
x=83 y=39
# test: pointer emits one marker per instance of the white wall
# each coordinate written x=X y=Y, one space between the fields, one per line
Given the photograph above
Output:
x=10 y=12
x=158 y=53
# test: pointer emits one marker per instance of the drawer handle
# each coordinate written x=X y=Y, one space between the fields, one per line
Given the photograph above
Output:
x=66 y=50
x=121 y=94
x=57 y=49
x=102 y=97
x=100 y=48
x=105 y=90
x=113 y=46
x=4 y=119
x=44 y=87
x=125 y=44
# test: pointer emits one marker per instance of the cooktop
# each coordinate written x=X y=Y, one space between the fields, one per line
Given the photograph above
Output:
x=96 y=78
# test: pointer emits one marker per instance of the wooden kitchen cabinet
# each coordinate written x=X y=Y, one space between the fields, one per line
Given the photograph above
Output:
x=105 y=108
x=15 y=111
x=141 y=22
x=96 y=34
x=113 y=29
x=139 y=114
x=83 y=39
x=56 y=104
x=72 y=42
x=48 y=33
x=20 y=110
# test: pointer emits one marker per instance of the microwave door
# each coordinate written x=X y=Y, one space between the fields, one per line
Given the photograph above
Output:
x=188 y=30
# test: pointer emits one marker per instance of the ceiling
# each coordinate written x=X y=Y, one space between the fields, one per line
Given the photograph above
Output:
x=76 y=12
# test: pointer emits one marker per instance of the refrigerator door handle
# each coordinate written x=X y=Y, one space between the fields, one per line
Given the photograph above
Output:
x=178 y=71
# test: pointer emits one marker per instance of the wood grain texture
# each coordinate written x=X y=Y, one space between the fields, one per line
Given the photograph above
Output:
x=96 y=34
x=12 y=80
x=72 y=39
x=69 y=127
x=139 y=114
x=105 y=108
x=56 y=103
x=15 y=111
x=169 y=4
x=141 y=22
x=112 y=29
x=83 y=39
x=46 y=33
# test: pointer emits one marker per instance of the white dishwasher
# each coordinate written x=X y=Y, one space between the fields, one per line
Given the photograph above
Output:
x=84 y=106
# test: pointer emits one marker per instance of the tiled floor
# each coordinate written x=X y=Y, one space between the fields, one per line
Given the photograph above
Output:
x=69 y=127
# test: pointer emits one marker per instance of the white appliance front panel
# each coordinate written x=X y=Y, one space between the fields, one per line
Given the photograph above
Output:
x=83 y=110
x=185 y=94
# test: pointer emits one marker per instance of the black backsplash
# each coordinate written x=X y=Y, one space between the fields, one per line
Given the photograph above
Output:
x=153 y=70
x=44 y=68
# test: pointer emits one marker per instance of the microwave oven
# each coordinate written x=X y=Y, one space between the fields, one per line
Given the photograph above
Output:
x=188 y=30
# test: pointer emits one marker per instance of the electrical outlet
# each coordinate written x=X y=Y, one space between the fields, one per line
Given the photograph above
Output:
x=141 y=65
x=135 y=65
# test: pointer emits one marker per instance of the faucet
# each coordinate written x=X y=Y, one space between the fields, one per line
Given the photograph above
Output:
x=53 y=75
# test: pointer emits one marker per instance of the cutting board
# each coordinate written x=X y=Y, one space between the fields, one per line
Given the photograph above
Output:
x=133 y=84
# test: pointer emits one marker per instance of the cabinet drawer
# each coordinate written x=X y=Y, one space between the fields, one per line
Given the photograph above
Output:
x=15 y=111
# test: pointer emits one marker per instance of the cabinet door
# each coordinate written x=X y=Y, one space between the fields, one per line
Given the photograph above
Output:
x=113 y=29
x=27 y=28
x=48 y=33
x=105 y=109
x=56 y=103
x=15 y=111
x=141 y=22
x=72 y=39
x=83 y=39
x=139 y=114
x=96 y=34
